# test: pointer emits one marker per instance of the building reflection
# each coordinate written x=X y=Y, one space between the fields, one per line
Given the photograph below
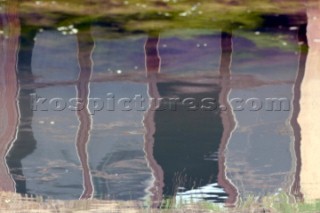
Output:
x=185 y=148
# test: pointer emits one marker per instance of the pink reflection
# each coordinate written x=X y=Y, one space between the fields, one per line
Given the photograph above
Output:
x=85 y=45
x=227 y=116
x=153 y=65
x=9 y=115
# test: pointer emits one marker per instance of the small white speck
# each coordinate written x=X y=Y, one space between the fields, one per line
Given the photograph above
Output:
x=198 y=45
x=284 y=43
x=205 y=44
x=164 y=45
x=52 y=122
x=40 y=30
x=119 y=71
x=135 y=67
x=293 y=28
x=64 y=33
x=41 y=122
x=257 y=33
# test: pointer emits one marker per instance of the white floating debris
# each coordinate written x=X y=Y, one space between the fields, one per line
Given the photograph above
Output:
x=198 y=45
x=74 y=31
x=61 y=28
x=205 y=44
x=183 y=14
x=52 y=122
x=257 y=33
x=119 y=71
x=284 y=43
x=293 y=28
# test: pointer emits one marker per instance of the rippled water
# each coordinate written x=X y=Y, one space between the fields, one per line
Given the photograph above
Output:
x=197 y=114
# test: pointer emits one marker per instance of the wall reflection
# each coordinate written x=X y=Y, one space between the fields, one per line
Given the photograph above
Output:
x=309 y=175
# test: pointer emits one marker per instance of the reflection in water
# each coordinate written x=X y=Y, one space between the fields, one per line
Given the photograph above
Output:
x=85 y=45
x=309 y=112
x=25 y=143
x=9 y=42
x=189 y=144
x=153 y=67
x=259 y=155
x=226 y=115
x=302 y=39
x=185 y=149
